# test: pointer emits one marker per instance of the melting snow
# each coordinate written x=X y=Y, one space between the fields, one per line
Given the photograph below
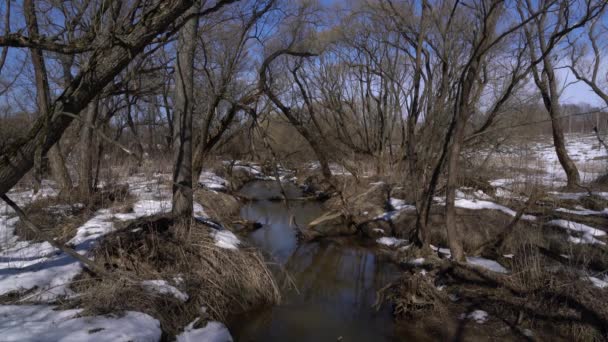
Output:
x=478 y=316
x=162 y=287
x=43 y=323
x=225 y=239
x=481 y=204
x=212 y=332
x=583 y=212
x=390 y=241
x=597 y=282
x=577 y=227
x=487 y=264
x=212 y=181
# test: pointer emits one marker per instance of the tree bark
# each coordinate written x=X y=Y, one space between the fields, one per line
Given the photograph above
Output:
x=184 y=104
x=43 y=98
x=18 y=159
x=85 y=180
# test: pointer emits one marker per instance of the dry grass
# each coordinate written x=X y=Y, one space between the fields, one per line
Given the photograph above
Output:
x=60 y=217
x=222 y=281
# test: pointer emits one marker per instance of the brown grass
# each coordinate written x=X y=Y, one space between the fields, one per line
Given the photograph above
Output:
x=60 y=217
x=223 y=281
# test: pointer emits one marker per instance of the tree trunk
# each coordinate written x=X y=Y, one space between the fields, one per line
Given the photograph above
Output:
x=43 y=99
x=182 y=134
x=454 y=239
x=85 y=180
x=560 y=148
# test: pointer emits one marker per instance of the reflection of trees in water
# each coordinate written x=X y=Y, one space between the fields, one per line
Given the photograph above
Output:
x=327 y=272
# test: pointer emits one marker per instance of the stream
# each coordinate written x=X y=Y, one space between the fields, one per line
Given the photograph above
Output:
x=336 y=279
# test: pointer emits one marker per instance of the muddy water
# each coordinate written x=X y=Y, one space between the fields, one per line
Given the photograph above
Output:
x=336 y=280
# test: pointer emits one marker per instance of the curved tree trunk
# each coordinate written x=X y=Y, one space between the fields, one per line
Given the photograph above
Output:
x=182 y=116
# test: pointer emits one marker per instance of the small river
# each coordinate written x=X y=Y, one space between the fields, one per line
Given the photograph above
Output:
x=336 y=279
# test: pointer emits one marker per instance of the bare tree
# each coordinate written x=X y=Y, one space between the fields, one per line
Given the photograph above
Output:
x=43 y=99
x=182 y=117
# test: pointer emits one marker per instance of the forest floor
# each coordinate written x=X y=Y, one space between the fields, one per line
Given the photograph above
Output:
x=552 y=271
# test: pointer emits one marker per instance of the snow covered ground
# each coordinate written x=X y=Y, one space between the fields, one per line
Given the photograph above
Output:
x=47 y=273
x=44 y=323
x=540 y=159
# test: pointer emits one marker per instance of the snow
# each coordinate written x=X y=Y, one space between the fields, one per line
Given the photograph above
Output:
x=577 y=227
x=487 y=264
x=43 y=323
x=398 y=206
x=540 y=157
x=162 y=287
x=26 y=265
x=576 y=195
x=583 y=212
x=445 y=251
x=199 y=211
x=212 y=181
x=390 y=241
x=585 y=239
x=23 y=198
x=225 y=239
x=212 y=332
x=477 y=261
x=597 y=282
x=416 y=262
x=482 y=204
x=479 y=316
x=588 y=232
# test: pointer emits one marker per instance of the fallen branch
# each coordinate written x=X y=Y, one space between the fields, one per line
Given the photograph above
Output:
x=99 y=270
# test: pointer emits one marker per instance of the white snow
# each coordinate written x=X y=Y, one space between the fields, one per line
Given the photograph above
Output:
x=585 y=239
x=482 y=204
x=212 y=181
x=212 y=332
x=225 y=239
x=416 y=262
x=162 y=287
x=445 y=251
x=479 y=316
x=597 y=282
x=390 y=241
x=43 y=323
x=577 y=227
x=25 y=265
x=487 y=264
x=199 y=211
x=583 y=212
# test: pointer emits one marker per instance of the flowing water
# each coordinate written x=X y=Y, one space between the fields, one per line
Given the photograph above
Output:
x=336 y=280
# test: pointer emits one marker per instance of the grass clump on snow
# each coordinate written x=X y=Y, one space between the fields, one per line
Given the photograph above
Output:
x=201 y=278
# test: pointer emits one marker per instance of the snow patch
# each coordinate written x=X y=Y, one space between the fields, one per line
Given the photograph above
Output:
x=212 y=181
x=487 y=264
x=212 y=332
x=390 y=241
x=44 y=323
x=479 y=316
x=597 y=282
x=225 y=239
x=481 y=204
x=162 y=287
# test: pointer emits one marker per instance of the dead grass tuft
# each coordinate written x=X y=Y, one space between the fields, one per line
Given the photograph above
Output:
x=414 y=294
x=219 y=282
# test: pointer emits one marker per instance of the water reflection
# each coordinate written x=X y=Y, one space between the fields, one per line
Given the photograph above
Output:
x=337 y=282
